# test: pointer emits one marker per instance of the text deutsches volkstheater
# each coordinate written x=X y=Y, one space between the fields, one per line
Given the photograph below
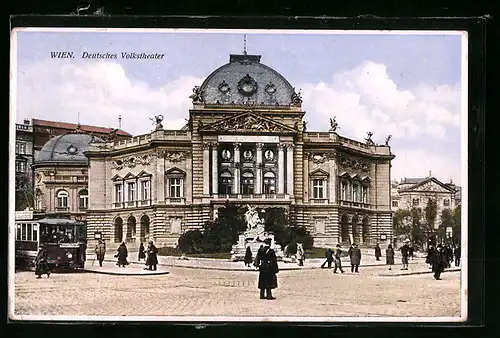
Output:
x=108 y=56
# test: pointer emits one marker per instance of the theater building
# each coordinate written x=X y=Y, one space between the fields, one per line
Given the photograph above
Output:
x=246 y=142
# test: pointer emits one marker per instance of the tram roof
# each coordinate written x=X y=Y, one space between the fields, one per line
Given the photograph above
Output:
x=59 y=221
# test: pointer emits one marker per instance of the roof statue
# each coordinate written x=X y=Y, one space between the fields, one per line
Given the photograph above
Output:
x=296 y=98
x=333 y=124
x=157 y=121
x=387 y=140
x=368 y=139
x=197 y=95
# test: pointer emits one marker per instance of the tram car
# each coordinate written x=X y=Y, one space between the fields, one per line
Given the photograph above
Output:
x=64 y=240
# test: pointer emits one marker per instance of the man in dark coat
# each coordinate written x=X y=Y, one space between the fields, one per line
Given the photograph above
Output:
x=405 y=251
x=329 y=258
x=122 y=255
x=41 y=264
x=430 y=255
x=267 y=263
x=439 y=261
x=355 y=258
x=100 y=251
x=378 y=252
x=457 y=254
x=152 y=259
x=338 y=262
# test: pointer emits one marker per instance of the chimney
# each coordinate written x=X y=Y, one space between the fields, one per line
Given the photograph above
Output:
x=26 y=121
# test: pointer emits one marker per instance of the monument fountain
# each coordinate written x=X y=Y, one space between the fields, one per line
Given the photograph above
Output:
x=254 y=237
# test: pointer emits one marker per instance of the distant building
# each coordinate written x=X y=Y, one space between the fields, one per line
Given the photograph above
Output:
x=415 y=192
x=31 y=136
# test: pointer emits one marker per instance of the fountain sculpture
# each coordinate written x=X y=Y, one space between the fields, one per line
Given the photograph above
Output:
x=253 y=237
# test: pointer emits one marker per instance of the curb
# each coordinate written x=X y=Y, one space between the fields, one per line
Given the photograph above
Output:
x=416 y=273
x=104 y=272
x=290 y=268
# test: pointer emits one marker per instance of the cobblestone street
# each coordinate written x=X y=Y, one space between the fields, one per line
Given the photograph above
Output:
x=201 y=292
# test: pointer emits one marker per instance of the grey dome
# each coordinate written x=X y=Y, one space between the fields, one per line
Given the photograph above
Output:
x=245 y=78
x=68 y=148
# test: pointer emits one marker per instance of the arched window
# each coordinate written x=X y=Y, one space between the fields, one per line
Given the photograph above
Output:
x=118 y=230
x=269 y=183
x=144 y=228
x=83 y=199
x=225 y=183
x=247 y=183
x=131 y=222
x=62 y=199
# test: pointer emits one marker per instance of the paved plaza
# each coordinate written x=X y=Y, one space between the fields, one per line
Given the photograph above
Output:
x=210 y=292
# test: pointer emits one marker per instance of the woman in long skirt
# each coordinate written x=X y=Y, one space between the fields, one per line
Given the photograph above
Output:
x=41 y=265
x=389 y=256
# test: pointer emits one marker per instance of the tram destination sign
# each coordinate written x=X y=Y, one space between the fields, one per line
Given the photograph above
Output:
x=69 y=245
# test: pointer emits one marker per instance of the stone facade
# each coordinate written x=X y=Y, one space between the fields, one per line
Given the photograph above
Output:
x=246 y=142
x=415 y=193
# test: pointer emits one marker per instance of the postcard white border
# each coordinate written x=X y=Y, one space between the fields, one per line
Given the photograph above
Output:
x=332 y=320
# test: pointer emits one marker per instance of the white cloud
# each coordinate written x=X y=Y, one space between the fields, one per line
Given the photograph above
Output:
x=366 y=99
x=100 y=91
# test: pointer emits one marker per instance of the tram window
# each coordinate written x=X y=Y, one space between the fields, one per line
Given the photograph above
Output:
x=18 y=232
x=29 y=231
x=35 y=233
x=23 y=232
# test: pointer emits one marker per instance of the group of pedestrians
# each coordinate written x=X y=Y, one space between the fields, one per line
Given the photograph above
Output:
x=335 y=255
x=439 y=258
x=150 y=254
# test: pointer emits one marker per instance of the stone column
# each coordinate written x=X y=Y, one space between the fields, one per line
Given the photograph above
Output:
x=305 y=169
x=289 y=169
x=258 y=178
x=215 y=175
x=206 y=168
x=236 y=186
x=281 y=169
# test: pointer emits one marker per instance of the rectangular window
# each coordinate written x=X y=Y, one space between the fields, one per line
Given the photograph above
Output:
x=20 y=148
x=145 y=190
x=131 y=191
x=35 y=233
x=29 y=232
x=343 y=193
x=355 y=193
x=175 y=187
x=365 y=194
x=20 y=166
x=416 y=202
x=395 y=204
x=318 y=189
x=18 y=232
x=118 y=193
x=23 y=235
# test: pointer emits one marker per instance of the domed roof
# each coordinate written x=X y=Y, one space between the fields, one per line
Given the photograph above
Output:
x=245 y=79
x=67 y=148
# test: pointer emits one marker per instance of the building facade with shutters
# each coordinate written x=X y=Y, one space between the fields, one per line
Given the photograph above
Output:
x=245 y=142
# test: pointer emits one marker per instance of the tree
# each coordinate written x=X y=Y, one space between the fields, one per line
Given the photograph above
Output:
x=24 y=191
x=457 y=224
x=401 y=222
x=417 y=231
x=276 y=221
x=431 y=214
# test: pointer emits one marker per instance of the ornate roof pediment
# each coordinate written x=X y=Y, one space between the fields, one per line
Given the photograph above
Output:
x=319 y=172
x=248 y=123
x=430 y=185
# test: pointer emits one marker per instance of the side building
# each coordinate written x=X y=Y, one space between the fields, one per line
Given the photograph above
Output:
x=246 y=142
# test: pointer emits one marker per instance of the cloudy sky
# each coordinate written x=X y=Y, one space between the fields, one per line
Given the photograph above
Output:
x=408 y=86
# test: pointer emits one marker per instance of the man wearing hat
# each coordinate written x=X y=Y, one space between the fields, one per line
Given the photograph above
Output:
x=267 y=263
x=405 y=251
x=438 y=262
x=152 y=259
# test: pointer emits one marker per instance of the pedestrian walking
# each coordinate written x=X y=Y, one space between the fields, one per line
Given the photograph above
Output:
x=329 y=258
x=152 y=260
x=430 y=255
x=41 y=264
x=248 y=257
x=142 y=253
x=122 y=255
x=438 y=263
x=100 y=251
x=355 y=258
x=301 y=256
x=378 y=252
x=457 y=254
x=449 y=255
x=405 y=250
x=389 y=256
x=410 y=251
x=338 y=262
x=267 y=263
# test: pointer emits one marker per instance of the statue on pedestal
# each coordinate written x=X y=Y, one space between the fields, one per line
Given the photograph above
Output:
x=255 y=225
